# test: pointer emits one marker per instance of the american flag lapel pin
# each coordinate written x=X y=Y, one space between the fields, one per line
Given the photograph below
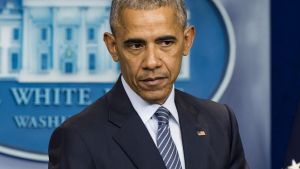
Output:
x=201 y=133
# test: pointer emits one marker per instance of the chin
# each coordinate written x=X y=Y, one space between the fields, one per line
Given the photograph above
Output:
x=155 y=98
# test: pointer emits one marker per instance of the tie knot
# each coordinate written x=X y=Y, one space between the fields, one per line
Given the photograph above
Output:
x=162 y=114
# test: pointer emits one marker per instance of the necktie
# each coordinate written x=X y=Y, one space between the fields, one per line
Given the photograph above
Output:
x=165 y=143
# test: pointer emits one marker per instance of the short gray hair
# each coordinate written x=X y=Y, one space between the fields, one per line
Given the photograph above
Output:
x=118 y=5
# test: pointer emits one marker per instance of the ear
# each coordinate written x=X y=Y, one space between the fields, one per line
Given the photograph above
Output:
x=189 y=35
x=110 y=42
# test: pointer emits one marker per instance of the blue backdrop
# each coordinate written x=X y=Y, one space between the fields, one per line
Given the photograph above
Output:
x=285 y=75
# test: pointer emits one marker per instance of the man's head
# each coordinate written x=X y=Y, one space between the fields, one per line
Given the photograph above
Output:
x=149 y=40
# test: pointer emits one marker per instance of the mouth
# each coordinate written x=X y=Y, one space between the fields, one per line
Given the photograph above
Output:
x=151 y=82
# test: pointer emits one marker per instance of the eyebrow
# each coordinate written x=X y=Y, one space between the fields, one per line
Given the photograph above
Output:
x=159 y=39
x=167 y=37
x=130 y=41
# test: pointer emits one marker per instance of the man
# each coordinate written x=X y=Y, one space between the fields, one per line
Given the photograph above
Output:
x=143 y=122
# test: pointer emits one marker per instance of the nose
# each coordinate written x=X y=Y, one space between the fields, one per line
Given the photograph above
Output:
x=152 y=59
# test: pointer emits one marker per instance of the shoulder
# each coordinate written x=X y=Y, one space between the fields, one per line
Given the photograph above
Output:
x=84 y=129
x=209 y=111
x=92 y=117
x=198 y=103
x=78 y=136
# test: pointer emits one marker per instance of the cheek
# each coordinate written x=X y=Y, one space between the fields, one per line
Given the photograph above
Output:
x=176 y=66
x=129 y=68
x=173 y=63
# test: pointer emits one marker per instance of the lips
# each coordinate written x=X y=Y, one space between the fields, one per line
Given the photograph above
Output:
x=152 y=82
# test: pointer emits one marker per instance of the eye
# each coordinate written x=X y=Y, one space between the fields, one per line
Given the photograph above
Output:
x=135 y=46
x=166 y=43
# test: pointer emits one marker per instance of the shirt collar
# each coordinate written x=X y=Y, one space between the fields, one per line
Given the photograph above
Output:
x=146 y=110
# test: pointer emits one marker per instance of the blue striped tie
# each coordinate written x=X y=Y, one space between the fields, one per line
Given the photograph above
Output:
x=165 y=143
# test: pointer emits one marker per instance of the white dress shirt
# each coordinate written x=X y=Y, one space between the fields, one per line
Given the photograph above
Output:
x=146 y=112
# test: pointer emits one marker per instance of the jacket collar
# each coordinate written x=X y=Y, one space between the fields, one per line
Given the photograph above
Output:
x=132 y=136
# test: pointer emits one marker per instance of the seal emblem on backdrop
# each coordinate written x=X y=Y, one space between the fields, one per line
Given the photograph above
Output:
x=53 y=63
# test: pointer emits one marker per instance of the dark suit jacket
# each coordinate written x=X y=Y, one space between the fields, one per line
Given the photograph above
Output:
x=109 y=134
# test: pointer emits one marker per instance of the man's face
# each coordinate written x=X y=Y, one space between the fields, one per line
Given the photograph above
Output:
x=149 y=44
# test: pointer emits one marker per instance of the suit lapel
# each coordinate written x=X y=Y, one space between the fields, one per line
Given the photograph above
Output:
x=132 y=136
x=195 y=144
x=135 y=140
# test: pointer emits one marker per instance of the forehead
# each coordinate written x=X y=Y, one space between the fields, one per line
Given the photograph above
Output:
x=141 y=22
